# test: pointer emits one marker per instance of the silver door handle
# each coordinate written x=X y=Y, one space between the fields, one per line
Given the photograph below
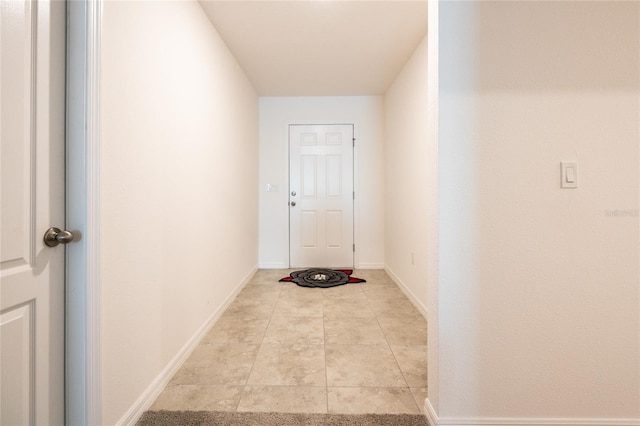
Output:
x=293 y=204
x=54 y=236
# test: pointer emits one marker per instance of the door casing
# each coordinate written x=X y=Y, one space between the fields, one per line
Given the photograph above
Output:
x=325 y=152
x=82 y=334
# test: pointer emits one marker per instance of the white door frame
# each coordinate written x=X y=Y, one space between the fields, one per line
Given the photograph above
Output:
x=354 y=171
x=82 y=333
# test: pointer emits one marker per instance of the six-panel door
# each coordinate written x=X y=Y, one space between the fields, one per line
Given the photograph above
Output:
x=321 y=196
x=31 y=200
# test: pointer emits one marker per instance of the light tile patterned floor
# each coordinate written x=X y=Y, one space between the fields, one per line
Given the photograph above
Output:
x=357 y=348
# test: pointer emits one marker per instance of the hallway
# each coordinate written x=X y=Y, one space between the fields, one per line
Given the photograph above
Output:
x=458 y=194
x=356 y=348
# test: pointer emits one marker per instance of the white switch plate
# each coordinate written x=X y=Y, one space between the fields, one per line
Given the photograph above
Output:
x=569 y=174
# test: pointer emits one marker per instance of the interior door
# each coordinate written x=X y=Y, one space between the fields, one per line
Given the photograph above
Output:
x=31 y=200
x=321 y=196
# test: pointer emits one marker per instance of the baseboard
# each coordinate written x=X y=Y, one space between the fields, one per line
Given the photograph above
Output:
x=282 y=265
x=533 y=421
x=273 y=265
x=430 y=412
x=363 y=265
x=410 y=295
x=157 y=386
x=434 y=420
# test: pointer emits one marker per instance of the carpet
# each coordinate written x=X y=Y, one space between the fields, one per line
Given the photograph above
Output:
x=223 y=418
x=323 y=278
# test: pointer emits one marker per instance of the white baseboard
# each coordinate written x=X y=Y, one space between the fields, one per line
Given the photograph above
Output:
x=370 y=266
x=157 y=386
x=283 y=265
x=533 y=421
x=434 y=420
x=430 y=412
x=273 y=265
x=410 y=295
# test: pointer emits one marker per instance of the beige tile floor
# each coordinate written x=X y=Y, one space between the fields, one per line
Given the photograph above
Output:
x=357 y=348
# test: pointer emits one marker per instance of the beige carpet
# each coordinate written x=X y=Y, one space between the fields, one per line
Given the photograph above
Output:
x=206 y=418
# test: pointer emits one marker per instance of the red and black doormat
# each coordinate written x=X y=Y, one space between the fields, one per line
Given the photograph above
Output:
x=320 y=277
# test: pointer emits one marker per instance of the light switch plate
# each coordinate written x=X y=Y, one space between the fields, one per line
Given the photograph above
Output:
x=569 y=174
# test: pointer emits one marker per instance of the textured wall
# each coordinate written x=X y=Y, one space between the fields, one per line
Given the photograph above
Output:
x=179 y=147
x=276 y=113
x=538 y=292
x=410 y=164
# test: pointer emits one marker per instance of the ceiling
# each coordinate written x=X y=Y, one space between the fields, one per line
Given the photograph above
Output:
x=320 y=48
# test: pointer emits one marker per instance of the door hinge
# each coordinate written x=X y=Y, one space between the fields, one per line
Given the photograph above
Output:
x=354 y=141
x=354 y=248
x=354 y=195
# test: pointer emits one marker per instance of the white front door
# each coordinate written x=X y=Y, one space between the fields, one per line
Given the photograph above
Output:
x=31 y=200
x=321 y=196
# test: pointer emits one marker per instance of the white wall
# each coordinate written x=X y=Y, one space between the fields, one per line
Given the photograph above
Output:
x=538 y=293
x=179 y=159
x=433 y=221
x=410 y=177
x=276 y=113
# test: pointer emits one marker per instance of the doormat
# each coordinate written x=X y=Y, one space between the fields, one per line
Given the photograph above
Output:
x=323 y=278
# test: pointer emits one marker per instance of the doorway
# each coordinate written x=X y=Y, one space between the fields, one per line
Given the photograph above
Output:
x=321 y=211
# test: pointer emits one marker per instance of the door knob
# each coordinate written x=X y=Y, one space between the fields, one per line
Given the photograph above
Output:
x=54 y=236
x=293 y=204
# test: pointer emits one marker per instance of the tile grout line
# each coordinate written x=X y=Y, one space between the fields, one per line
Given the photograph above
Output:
x=325 y=297
x=246 y=382
x=324 y=347
x=394 y=357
